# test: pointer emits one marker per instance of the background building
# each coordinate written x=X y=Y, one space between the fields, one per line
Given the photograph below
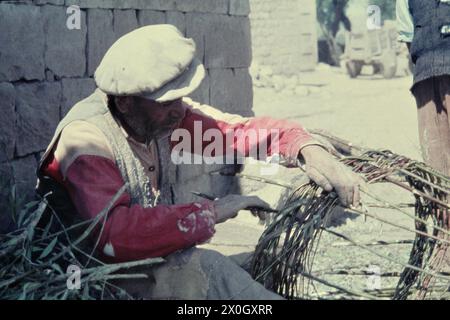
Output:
x=284 y=35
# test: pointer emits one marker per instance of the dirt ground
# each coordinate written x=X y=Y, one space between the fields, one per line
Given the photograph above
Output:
x=369 y=111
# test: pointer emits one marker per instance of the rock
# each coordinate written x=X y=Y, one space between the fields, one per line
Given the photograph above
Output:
x=7 y=121
x=37 y=106
x=254 y=70
x=323 y=67
x=22 y=31
x=201 y=94
x=209 y=6
x=231 y=90
x=49 y=75
x=100 y=36
x=54 y=2
x=196 y=33
x=24 y=171
x=73 y=91
x=314 y=89
x=125 y=4
x=288 y=91
x=266 y=71
x=124 y=22
x=178 y=19
x=162 y=5
x=301 y=91
x=220 y=81
x=258 y=83
x=265 y=76
x=239 y=8
x=292 y=82
x=222 y=41
x=6 y=182
x=149 y=17
x=278 y=83
x=65 y=53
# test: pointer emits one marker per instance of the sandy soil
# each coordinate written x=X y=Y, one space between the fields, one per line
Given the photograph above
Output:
x=369 y=111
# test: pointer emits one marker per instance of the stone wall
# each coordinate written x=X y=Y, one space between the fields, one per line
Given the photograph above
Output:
x=45 y=68
x=284 y=35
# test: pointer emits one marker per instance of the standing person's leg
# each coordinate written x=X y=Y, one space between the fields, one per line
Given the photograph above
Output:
x=433 y=103
x=445 y=98
x=432 y=98
x=444 y=89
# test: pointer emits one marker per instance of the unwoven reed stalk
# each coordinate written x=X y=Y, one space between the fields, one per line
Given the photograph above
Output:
x=34 y=258
x=285 y=253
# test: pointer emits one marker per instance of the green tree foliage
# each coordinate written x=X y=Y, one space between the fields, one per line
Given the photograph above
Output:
x=331 y=14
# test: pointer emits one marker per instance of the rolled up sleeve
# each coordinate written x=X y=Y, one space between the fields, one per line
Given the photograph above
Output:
x=405 y=25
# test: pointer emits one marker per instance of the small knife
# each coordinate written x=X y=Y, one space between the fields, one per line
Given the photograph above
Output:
x=205 y=196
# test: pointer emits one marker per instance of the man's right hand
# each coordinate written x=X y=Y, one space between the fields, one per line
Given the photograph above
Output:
x=229 y=206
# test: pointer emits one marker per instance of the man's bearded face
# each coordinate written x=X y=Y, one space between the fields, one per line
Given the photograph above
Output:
x=150 y=119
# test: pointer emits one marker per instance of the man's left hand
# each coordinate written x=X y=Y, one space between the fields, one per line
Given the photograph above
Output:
x=330 y=174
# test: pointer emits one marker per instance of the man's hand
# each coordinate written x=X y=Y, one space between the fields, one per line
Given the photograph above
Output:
x=330 y=174
x=229 y=206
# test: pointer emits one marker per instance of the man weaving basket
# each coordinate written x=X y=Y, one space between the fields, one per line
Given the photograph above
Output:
x=121 y=134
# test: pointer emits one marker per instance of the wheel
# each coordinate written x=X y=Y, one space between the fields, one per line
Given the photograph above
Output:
x=388 y=65
x=353 y=68
x=388 y=71
x=376 y=68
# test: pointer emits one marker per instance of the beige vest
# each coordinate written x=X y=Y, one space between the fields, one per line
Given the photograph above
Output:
x=93 y=109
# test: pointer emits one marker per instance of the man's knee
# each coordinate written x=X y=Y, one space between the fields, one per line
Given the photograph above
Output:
x=227 y=280
x=211 y=260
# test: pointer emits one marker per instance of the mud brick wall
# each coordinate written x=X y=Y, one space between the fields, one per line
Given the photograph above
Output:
x=45 y=68
x=284 y=35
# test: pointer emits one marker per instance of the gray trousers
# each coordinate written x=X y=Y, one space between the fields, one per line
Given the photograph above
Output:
x=197 y=274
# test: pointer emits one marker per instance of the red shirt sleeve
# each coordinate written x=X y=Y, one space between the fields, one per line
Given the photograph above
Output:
x=282 y=138
x=132 y=232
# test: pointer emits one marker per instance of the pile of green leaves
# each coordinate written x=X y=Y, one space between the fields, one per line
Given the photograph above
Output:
x=34 y=259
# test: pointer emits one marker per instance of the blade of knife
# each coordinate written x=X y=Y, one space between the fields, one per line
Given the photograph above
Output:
x=205 y=196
